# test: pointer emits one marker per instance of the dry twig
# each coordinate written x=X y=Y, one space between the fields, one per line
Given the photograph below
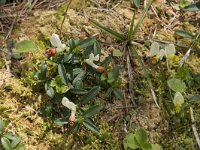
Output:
x=130 y=80
x=194 y=127
x=65 y=15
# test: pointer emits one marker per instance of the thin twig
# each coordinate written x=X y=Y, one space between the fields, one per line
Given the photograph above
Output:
x=65 y=15
x=130 y=79
x=33 y=4
x=11 y=27
x=194 y=127
x=123 y=107
x=187 y=54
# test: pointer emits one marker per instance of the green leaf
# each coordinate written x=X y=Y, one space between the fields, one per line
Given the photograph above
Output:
x=193 y=7
x=43 y=71
x=2 y=2
x=156 y=147
x=92 y=111
x=130 y=142
x=14 y=138
x=79 y=73
x=73 y=43
x=67 y=57
x=88 y=51
x=78 y=91
x=25 y=46
x=170 y=50
x=2 y=125
x=114 y=34
x=103 y=77
x=90 y=125
x=180 y=148
x=142 y=17
x=130 y=33
x=108 y=92
x=117 y=93
x=146 y=146
x=96 y=48
x=61 y=121
x=194 y=98
x=117 y=53
x=75 y=128
x=183 y=73
x=20 y=147
x=155 y=48
x=6 y=143
x=16 y=55
x=184 y=3
x=116 y=72
x=106 y=61
x=141 y=136
x=90 y=95
x=15 y=142
x=110 y=77
x=62 y=73
x=49 y=90
x=184 y=34
x=135 y=3
x=87 y=42
x=176 y=85
x=62 y=89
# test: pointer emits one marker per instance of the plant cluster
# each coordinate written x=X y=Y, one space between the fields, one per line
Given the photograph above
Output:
x=74 y=73
x=9 y=141
x=139 y=140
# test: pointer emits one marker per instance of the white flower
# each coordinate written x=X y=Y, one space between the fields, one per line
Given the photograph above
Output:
x=56 y=42
x=178 y=101
x=91 y=59
x=167 y=52
x=70 y=105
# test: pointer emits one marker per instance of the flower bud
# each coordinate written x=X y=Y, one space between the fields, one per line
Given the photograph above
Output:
x=101 y=69
x=51 y=52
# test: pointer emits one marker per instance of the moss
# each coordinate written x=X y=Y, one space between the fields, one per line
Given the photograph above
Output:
x=2 y=63
x=104 y=140
x=165 y=35
x=175 y=140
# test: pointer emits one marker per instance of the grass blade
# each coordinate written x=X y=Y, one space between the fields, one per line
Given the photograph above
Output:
x=113 y=33
x=142 y=17
x=184 y=34
x=130 y=33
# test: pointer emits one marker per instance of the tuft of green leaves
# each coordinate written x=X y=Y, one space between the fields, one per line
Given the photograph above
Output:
x=139 y=140
x=9 y=141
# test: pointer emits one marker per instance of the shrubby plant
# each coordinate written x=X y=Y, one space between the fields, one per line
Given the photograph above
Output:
x=77 y=76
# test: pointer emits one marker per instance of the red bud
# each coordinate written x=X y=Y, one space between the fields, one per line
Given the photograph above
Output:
x=51 y=52
x=71 y=120
x=101 y=69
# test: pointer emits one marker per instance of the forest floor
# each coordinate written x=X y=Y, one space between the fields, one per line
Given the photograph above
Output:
x=21 y=103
